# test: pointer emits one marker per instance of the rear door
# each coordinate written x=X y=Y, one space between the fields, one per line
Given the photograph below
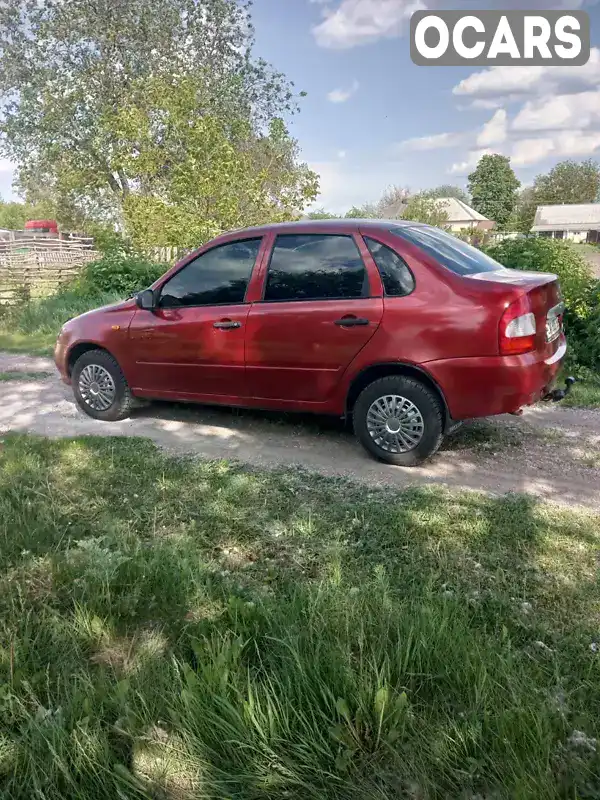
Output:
x=320 y=307
x=192 y=344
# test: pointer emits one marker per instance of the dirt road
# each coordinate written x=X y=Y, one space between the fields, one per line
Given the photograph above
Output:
x=551 y=452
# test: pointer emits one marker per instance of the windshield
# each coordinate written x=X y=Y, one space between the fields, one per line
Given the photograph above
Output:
x=452 y=253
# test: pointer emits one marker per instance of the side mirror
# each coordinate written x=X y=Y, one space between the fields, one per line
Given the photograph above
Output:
x=146 y=300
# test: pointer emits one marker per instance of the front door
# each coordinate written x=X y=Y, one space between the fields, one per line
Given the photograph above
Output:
x=192 y=344
x=315 y=317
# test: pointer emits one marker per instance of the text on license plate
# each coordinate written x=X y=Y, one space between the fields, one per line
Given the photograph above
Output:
x=552 y=328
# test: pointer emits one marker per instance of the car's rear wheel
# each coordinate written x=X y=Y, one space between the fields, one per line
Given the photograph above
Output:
x=399 y=420
x=100 y=388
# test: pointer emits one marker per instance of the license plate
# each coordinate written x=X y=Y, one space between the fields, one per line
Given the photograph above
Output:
x=552 y=327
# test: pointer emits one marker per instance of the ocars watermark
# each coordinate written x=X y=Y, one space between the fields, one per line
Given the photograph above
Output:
x=499 y=38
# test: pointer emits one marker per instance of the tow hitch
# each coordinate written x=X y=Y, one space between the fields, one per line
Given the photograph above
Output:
x=559 y=394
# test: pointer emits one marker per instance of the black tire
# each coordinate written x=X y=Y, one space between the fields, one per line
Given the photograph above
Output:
x=123 y=399
x=426 y=401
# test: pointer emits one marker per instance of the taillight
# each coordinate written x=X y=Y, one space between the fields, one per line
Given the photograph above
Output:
x=518 y=328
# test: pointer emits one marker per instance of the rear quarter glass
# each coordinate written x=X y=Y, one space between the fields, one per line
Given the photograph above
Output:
x=449 y=251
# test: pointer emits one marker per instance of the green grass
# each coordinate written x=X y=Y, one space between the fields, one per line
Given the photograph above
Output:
x=34 y=326
x=171 y=628
x=23 y=376
x=584 y=394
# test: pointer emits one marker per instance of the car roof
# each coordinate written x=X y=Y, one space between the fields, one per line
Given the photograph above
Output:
x=309 y=225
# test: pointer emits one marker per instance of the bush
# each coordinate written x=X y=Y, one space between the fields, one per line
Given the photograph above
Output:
x=550 y=255
x=119 y=272
x=584 y=333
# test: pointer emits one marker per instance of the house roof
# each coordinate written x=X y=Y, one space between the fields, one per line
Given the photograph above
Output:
x=460 y=212
x=456 y=210
x=575 y=217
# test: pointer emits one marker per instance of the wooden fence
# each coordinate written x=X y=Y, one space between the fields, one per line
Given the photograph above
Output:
x=166 y=255
x=38 y=266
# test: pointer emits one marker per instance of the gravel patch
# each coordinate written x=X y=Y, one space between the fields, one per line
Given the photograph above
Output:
x=551 y=452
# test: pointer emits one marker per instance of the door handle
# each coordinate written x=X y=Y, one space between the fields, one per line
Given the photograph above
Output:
x=227 y=324
x=351 y=322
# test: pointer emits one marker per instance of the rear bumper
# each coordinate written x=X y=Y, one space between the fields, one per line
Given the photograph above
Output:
x=486 y=386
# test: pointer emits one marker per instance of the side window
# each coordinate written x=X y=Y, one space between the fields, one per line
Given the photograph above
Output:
x=315 y=267
x=217 y=277
x=396 y=277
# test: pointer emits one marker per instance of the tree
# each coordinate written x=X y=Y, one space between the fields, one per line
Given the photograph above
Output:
x=493 y=188
x=422 y=208
x=392 y=202
x=321 y=213
x=197 y=173
x=68 y=71
x=569 y=182
x=367 y=211
x=524 y=213
x=13 y=215
x=448 y=190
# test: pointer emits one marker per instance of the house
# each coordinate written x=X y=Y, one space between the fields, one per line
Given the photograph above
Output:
x=578 y=222
x=462 y=217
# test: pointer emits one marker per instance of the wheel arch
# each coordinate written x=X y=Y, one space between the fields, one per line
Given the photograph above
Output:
x=385 y=369
x=79 y=349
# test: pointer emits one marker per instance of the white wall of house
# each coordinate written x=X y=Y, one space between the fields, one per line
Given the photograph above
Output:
x=572 y=236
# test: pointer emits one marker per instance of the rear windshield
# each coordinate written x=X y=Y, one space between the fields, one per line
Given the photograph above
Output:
x=453 y=253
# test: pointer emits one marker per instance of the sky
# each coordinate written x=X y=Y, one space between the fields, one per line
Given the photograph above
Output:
x=372 y=119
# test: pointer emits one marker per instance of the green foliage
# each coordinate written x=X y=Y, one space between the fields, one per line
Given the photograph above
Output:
x=14 y=215
x=569 y=182
x=493 y=186
x=423 y=208
x=448 y=190
x=368 y=211
x=34 y=326
x=77 y=79
x=549 y=255
x=524 y=212
x=202 y=173
x=184 y=629
x=321 y=213
x=119 y=273
x=585 y=338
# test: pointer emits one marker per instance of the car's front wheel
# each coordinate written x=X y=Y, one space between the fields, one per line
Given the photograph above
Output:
x=100 y=387
x=399 y=420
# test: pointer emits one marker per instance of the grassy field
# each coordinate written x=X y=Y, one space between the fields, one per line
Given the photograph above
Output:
x=33 y=328
x=177 y=629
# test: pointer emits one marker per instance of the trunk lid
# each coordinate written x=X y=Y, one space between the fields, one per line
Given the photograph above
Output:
x=543 y=293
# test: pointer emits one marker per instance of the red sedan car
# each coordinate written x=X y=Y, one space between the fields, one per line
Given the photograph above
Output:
x=400 y=326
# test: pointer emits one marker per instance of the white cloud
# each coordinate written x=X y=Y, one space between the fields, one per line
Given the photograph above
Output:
x=464 y=167
x=342 y=95
x=432 y=142
x=531 y=151
x=341 y=154
x=356 y=22
x=570 y=144
x=494 y=131
x=512 y=83
x=560 y=112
